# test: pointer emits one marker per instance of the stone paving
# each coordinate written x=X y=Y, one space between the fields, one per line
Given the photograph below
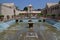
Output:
x=20 y=32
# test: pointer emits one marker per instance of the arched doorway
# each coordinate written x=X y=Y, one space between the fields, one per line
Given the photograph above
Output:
x=8 y=17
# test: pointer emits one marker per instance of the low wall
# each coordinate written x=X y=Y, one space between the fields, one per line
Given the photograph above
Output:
x=5 y=25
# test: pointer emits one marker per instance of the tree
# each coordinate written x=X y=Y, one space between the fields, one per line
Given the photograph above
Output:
x=58 y=17
x=48 y=15
x=59 y=2
x=53 y=15
x=39 y=9
x=40 y=14
x=25 y=9
x=17 y=8
x=1 y=17
x=58 y=14
x=20 y=14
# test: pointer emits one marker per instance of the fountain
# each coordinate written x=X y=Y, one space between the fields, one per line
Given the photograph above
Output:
x=5 y=25
x=30 y=24
x=57 y=25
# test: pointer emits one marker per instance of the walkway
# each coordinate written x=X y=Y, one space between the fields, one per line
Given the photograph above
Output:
x=20 y=31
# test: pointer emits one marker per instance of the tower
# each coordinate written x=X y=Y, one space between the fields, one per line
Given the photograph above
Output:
x=29 y=8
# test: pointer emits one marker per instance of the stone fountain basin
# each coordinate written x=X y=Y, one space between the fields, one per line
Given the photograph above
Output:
x=5 y=25
x=27 y=20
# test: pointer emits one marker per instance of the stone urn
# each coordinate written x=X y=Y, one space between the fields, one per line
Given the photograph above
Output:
x=30 y=24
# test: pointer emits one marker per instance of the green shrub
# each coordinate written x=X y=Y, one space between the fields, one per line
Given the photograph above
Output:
x=1 y=15
x=48 y=15
x=58 y=14
x=40 y=14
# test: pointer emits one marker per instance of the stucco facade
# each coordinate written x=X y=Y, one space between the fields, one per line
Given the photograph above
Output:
x=30 y=12
x=10 y=9
x=7 y=10
x=52 y=8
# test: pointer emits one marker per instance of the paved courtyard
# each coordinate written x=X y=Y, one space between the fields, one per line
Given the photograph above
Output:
x=20 y=31
x=30 y=22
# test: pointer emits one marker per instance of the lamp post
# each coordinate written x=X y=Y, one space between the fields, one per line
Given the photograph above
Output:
x=14 y=11
x=14 y=14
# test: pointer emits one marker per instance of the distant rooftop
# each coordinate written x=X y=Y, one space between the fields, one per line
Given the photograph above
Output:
x=8 y=4
x=51 y=4
x=30 y=5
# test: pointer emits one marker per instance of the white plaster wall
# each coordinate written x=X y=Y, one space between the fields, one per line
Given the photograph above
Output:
x=7 y=11
x=27 y=12
x=36 y=11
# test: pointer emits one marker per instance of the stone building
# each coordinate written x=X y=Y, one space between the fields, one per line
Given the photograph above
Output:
x=52 y=8
x=9 y=10
x=30 y=13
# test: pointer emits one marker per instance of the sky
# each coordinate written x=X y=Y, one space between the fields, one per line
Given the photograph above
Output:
x=37 y=4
